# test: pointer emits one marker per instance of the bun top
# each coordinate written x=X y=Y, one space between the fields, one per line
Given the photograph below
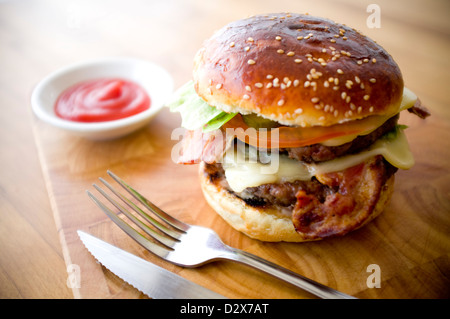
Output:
x=297 y=70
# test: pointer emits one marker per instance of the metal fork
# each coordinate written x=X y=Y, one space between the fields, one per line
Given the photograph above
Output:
x=192 y=246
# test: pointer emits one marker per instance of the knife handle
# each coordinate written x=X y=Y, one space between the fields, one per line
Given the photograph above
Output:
x=286 y=275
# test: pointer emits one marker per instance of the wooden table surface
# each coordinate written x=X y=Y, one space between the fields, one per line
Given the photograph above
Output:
x=37 y=37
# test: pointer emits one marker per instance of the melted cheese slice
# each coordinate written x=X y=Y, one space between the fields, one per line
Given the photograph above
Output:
x=242 y=170
x=408 y=100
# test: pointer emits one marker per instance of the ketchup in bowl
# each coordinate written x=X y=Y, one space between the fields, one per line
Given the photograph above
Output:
x=101 y=100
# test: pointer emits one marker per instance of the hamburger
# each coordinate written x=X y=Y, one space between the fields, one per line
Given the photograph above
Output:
x=293 y=120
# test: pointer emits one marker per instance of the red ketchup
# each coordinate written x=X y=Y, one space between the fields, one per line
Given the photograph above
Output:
x=102 y=100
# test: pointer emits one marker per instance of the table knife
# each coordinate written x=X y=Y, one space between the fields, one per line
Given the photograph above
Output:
x=152 y=280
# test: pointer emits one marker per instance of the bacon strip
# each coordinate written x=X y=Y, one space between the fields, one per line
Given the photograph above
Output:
x=419 y=110
x=198 y=146
x=351 y=202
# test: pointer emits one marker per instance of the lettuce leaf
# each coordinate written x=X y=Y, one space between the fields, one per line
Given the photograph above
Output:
x=195 y=112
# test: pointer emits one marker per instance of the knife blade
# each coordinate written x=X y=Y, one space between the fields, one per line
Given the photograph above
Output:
x=154 y=281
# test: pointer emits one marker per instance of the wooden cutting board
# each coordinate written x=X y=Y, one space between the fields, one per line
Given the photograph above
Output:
x=409 y=242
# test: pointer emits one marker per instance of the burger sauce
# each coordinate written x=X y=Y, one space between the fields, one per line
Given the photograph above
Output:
x=101 y=100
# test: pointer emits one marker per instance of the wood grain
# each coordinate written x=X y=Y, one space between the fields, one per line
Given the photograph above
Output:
x=44 y=172
x=409 y=241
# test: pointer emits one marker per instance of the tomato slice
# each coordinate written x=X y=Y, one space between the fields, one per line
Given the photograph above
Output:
x=289 y=136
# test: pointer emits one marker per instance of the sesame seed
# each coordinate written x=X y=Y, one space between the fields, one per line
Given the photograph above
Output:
x=310 y=59
x=283 y=86
x=336 y=112
x=374 y=60
x=259 y=85
x=286 y=80
x=362 y=86
x=321 y=118
x=366 y=97
x=324 y=50
x=290 y=53
x=248 y=88
x=232 y=44
x=250 y=39
x=359 y=62
x=269 y=85
x=326 y=84
x=333 y=41
x=336 y=81
x=296 y=83
x=332 y=48
x=251 y=62
x=300 y=38
x=330 y=79
x=326 y=108
x=219 y=86
x=343 y=95
x=336 y=35
x=280 y=51
x=344 y=38
x=359 y=109
x=371 y=109
x=246 y=48
x=299 y=111
x=335 y=88
x=347 y=99
x=278 y=38
x=298 y=61
x=366 y=60
x=373 y=80
x=340 y=71
x=269 y=76
x=307 y=83
x=357 y=79
x=246 y=97
x=352 y=106
x=280 y=102
x=315 y=99
x=209 y=91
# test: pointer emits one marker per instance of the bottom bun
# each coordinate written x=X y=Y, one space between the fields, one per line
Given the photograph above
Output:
x=270 y=224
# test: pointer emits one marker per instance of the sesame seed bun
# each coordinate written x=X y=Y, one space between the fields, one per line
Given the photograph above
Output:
x=297 y=70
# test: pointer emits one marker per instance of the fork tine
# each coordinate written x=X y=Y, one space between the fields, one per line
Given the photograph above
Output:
x=150 y=246
x=156 y=210
x=151 y=220
x=149 y=231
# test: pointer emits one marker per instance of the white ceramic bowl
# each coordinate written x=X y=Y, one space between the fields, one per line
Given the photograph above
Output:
x=155 y=80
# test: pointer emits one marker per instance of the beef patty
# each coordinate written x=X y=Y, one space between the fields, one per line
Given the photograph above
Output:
x=321 y=153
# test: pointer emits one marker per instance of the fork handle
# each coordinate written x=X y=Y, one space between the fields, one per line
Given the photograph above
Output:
x=286 y=275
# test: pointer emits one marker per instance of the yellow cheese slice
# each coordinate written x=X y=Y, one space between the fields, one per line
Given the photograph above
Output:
x=242 y=170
